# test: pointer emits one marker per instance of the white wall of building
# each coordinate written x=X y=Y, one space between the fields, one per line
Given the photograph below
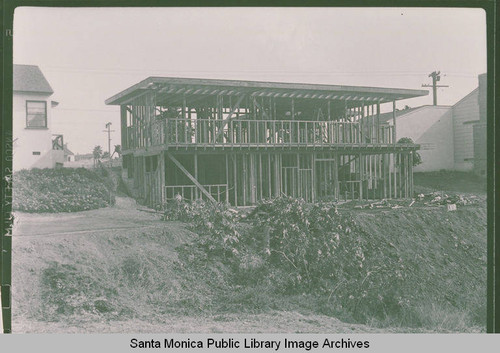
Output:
x=432 y=128
x=464 y=112
x=30 y=140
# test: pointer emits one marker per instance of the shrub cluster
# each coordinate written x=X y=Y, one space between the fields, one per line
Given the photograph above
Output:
x=326 y=253
x=216 y=226
x=297 y=249
x=60 y=190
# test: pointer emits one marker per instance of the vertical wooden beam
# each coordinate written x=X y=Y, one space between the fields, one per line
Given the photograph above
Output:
x=273 y=116
x=406 y=174
x=394 y=121
x=260 y=177
x=253 y=184
x=162 y=176
x=411 y=173
x=378 y=122
x=361 y=172
x=391 y=156
x=383 y=174
x=336 y=177
x=269 y=180
x=362 y=122
x=123 y=127
x=227 y=178
x=400 y=175
x=144 y=186
x=277 y=177
x=296 y=186
x=244 y=183
x=235 y=175
x=196 y=172
x=313 y=177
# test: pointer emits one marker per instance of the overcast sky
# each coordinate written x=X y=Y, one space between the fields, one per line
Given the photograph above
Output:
x=90 y=54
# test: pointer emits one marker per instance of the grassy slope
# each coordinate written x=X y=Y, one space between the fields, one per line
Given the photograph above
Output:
x=450 y=181
x=445 y=256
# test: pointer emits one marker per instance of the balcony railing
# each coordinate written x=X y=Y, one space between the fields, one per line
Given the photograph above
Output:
x=243 y=132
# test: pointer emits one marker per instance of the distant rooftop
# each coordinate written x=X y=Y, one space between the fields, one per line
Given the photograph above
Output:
x=29 y=78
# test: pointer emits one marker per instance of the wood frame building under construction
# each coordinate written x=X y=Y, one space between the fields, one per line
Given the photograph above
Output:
x=244 y=141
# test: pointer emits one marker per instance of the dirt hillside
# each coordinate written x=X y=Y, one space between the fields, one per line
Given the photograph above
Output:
x=116 y=270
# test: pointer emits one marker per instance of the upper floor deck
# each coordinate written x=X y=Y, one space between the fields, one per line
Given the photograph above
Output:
x=254 y=133
x=184 y=113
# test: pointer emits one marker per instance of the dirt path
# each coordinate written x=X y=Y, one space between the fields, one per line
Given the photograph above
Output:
x=125 y=214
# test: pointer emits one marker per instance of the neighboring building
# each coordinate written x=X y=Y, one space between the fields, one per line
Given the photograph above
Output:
x=465 y=113
x=450 y=137
x=68 y=155
x=85 y=156
x=479 y=130
x=34 y=144
x=242 y=141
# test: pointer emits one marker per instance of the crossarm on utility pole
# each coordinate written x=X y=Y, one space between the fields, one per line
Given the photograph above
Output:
x=192 y=178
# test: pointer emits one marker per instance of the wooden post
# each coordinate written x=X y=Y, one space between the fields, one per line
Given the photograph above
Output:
x=390 y=156
x=196 y=173
x=384 y=173
x=298 y=182
x=399 y=176
x=162 y=176
x=227 y=178
x=244 y=183
x=411 y=173
x=378 y=122
x=313 y=177
x=253 y=184
x=123 y=127
x=144 y=186
x=277 y=179
x=362 y=122
x=361 y=172
x=394 y=121
x=260 y=177
x=235 y=175
x=269 y=180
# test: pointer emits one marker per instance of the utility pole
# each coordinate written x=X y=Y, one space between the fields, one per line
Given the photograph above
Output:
x=109 y=131
x=436 y=76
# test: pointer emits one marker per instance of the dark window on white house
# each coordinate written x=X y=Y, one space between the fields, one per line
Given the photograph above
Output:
x=36 y=153
x=36 y=114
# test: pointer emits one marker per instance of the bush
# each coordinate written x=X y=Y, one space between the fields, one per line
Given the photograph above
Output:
x=215 y=225
x=324 y=252
x=60 y=190
x=297 y=248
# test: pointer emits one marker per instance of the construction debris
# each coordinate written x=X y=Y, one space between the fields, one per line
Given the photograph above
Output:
x=434 y=199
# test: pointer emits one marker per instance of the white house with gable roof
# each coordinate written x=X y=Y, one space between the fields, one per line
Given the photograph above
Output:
x=35 y=145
